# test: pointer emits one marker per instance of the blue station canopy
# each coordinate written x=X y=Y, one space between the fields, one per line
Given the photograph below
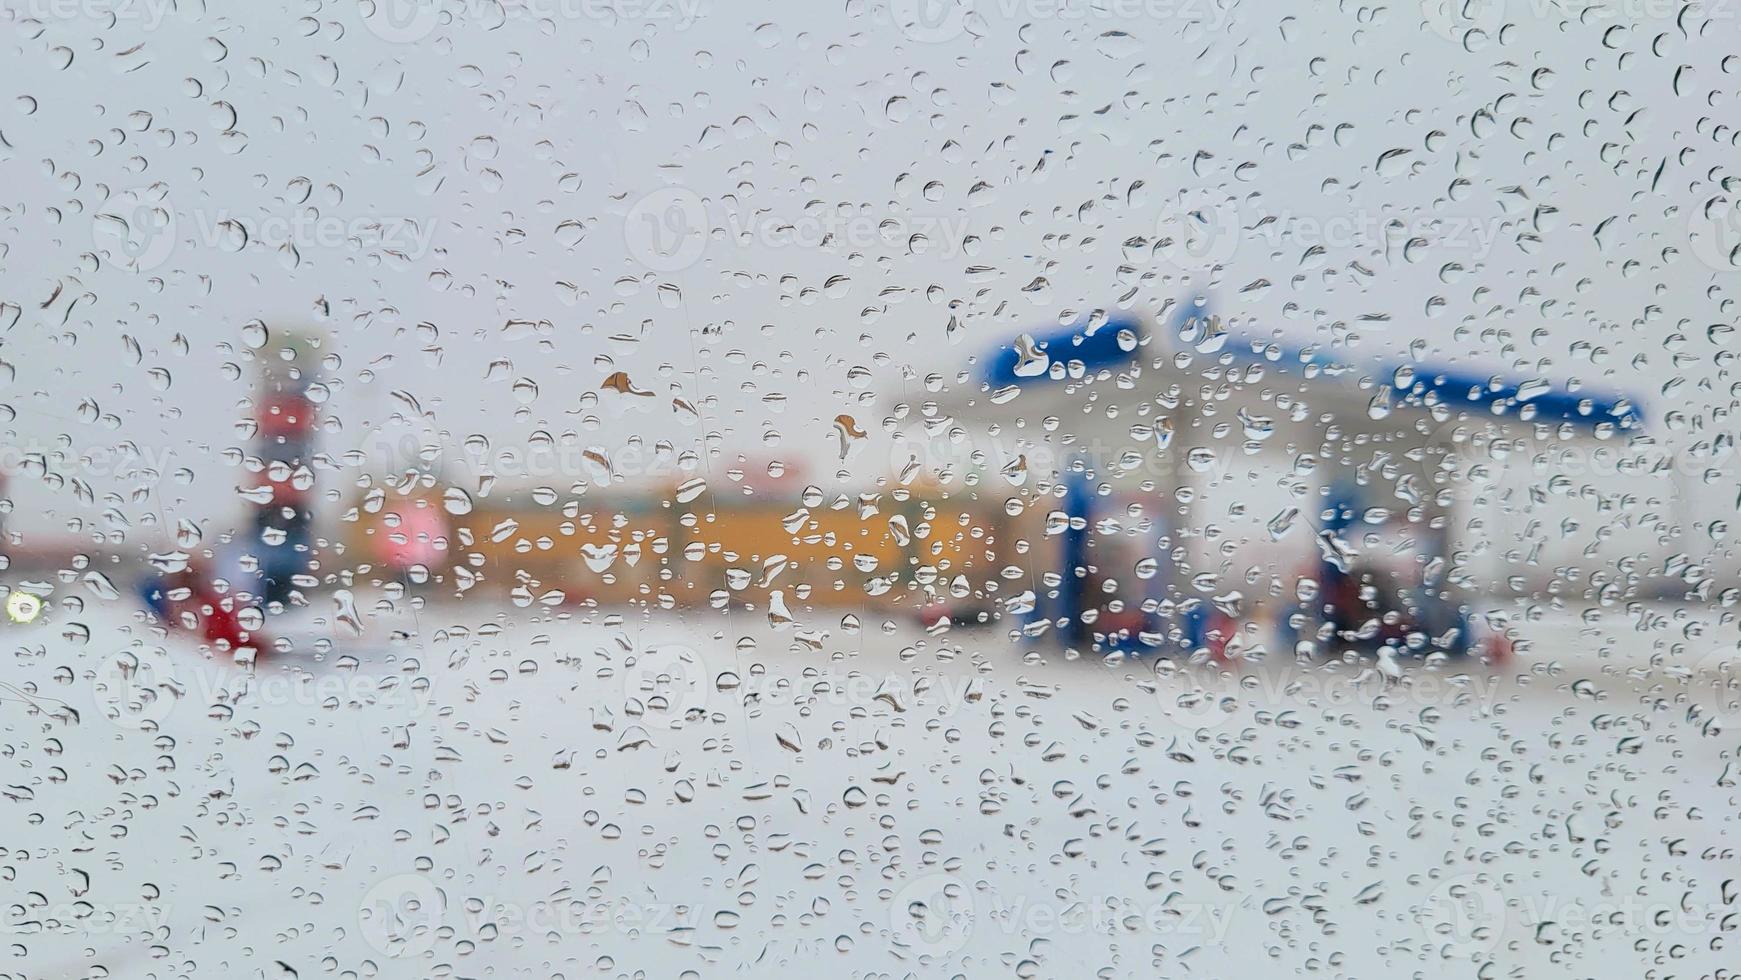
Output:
x=1097 y=349
x=1424 y=383
x=1457 y=386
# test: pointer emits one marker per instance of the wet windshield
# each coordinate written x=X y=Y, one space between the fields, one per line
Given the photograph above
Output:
x=894 y=488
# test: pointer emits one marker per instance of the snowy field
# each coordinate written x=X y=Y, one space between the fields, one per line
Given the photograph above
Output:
x=476 y=791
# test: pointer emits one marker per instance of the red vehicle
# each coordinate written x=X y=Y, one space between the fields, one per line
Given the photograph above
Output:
x=187 y=600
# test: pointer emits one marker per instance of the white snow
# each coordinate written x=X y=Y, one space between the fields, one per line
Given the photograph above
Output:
x=888 y=803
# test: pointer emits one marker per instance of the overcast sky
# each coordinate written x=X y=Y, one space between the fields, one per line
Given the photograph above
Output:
x=1521 y=197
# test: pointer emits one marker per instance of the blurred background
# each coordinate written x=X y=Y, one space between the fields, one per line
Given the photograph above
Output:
x=927 y=487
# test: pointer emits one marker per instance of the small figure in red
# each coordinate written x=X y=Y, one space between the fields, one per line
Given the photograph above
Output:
x=188 y=600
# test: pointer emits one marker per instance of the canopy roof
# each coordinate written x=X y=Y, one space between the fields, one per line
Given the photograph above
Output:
x=1055 y=358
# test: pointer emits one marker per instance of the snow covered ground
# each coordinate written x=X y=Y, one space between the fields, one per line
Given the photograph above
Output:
x=468 y=790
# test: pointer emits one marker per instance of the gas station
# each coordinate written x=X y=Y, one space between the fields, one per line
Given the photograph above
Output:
x=1214 y=491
